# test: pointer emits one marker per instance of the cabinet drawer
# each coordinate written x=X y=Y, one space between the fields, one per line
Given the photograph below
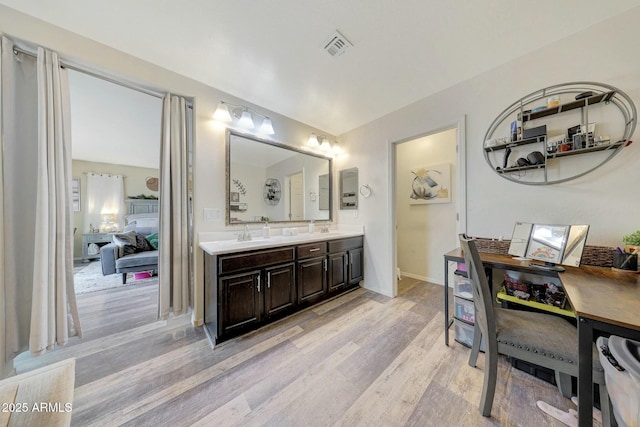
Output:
x=243 y=261
x=345 y=244
x=312 y=249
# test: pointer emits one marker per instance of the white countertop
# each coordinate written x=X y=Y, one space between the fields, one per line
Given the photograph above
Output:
x=218 y=247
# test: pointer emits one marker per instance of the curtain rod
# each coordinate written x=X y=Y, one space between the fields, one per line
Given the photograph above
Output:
x=123 y=83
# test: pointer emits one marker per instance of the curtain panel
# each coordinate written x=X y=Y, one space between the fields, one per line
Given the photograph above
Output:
x=105 y=202
x=39 y=299
x=174 y=293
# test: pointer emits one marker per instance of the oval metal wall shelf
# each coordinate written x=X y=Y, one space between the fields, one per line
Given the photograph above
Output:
x=497 y=145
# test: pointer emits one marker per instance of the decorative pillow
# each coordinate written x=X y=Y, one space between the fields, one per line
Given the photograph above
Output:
x=142 y=244
x=153 y=240
x=126 y=242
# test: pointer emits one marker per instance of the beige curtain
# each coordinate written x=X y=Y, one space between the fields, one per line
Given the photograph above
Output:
x=54 y=313
x=19 y=163
x=174 y=258
x=39 y=308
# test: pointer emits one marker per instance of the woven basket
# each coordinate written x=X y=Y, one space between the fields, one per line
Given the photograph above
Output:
x=598 y=256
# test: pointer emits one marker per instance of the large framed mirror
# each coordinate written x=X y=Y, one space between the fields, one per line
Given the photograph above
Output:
x=274 y=182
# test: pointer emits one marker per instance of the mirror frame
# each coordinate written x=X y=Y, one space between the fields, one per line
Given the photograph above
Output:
x=276 y=144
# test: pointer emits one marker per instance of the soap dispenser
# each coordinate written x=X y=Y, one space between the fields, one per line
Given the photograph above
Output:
x=266 y=230
x=311 y=227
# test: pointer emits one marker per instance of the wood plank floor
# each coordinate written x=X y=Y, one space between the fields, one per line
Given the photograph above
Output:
x=360 y=360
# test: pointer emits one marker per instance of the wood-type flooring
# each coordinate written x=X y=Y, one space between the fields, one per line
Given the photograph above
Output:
x=362 y=359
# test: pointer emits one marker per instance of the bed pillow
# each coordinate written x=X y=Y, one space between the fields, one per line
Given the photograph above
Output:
x=126 y=242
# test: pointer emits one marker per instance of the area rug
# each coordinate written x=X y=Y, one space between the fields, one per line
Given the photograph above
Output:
x=90 y=279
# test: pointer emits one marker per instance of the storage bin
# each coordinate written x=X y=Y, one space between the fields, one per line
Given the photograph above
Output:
x=623 y=386
x=462 y=287
x=464 y=309
x=464 y=333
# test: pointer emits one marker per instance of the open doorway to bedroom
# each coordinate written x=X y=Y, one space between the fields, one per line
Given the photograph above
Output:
x=115 y=168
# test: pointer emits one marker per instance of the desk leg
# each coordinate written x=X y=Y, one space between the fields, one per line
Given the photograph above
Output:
x=446 y=302
x=585 y=372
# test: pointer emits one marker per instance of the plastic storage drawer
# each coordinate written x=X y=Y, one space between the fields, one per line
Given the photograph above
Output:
x=462 y=287
x=464 y=333
x=464 y=309
x=623 y=387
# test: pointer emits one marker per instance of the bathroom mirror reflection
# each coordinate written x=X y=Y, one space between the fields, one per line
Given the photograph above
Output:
x=349 y=188
x=270 y=181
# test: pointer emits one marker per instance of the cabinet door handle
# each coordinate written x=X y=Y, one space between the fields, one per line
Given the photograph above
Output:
x=258 y=283
x=325 y=264
x=269 y=279
x=314 y=250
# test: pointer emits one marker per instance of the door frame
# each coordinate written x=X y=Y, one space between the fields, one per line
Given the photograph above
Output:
x=460 y=198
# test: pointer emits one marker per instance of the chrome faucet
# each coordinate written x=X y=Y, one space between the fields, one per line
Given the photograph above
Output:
x=245 y=236
x=324 y=229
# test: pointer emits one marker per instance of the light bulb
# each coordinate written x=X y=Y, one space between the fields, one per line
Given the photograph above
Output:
x=246 y=121
x=313 y=140
x=266 y=127
x=222 y=113
x=336 y=148
x=325 y=146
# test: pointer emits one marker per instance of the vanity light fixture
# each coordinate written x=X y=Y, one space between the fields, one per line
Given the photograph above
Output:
x=313 y=141
x=226 y=112
x=324 y=144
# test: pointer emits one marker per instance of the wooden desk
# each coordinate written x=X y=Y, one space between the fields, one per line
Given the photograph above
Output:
x=605 y=301
x=490 y=261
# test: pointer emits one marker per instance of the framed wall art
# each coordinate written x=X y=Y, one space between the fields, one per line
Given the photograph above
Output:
x=431 y=184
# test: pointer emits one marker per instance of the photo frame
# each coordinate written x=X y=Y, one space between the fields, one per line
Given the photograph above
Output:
x=234 y=196
x=75 y=194
x=430 y=184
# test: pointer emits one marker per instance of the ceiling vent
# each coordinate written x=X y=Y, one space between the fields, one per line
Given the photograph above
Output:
x=337 y=44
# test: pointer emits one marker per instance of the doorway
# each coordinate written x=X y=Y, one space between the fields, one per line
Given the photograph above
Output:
x=295 y=196
x=429 y=202
x=115 y=136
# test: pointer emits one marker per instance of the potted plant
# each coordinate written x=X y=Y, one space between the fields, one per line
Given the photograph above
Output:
x=632 y=242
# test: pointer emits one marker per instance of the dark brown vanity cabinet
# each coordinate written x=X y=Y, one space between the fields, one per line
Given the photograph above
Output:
x=312 y=272
x=253 y=288
x=345 y=263
x=248 y=289
x=280 y=290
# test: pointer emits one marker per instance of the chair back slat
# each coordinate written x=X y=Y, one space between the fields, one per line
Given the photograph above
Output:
x=485 y=316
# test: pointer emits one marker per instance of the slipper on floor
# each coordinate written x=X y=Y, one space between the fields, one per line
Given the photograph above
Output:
x=564 y=417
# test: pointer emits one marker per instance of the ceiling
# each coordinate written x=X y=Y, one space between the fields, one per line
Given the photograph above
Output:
x=270 y=53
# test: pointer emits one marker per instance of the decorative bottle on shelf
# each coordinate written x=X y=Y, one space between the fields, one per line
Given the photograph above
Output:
x=266 y=230
x=311 y=227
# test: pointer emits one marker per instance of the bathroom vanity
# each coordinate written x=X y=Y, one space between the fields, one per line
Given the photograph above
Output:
x=248 y=284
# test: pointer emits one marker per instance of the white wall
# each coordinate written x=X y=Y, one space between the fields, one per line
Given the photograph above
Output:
x=209 y=138
x=605 y=198
x=424 y=231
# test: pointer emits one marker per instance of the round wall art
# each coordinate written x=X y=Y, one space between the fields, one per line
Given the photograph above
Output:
x=272 y=191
